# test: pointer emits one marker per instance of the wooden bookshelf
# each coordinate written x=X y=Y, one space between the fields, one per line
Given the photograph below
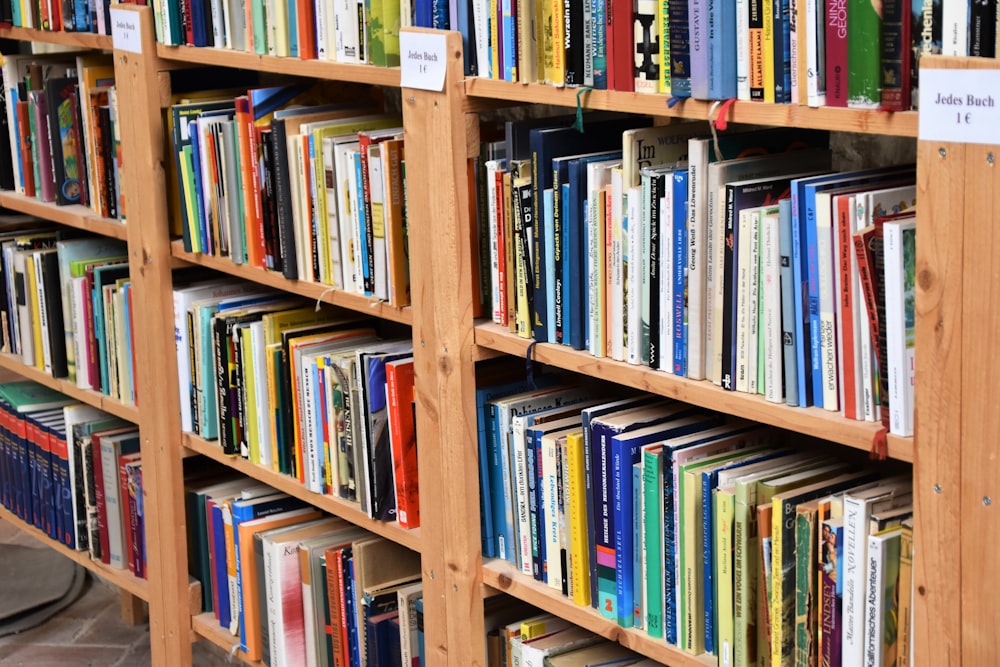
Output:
x=316 y=291
x=75 y=215
x=206 y=626
x=109 y=404
x=900 y=123
x=316 y=69
x=815 y=422
x=501 y=576
x=82 y=40
x=345 y=509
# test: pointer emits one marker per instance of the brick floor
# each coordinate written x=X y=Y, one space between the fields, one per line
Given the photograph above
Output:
x=88 y=632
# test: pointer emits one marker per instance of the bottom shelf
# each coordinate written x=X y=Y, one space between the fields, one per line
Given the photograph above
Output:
x=503 y=577
x=206 y=626
x=123 y=579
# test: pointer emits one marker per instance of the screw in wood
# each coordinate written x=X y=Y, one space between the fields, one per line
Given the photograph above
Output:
x=987 y=501
x=942 y=152
x=937 y=488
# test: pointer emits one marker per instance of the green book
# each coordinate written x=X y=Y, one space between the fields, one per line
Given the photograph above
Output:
x=652 y=489
x=29 y=396
x=864 y=54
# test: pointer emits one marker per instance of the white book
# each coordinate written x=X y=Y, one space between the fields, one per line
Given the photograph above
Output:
x=699 y=250
x=899 y=243
x=882 y=577
x=742 y=50
x=519 y=474
x=770 y=327
x=347 y=214
x=332 y=245
x=349 y=47
x=323 y=31
x=813 y=38
x=481 y=19
x=301 y=226
x=43 y=312
x=955 y=28
x=598 y=179
x=632 y=268
x=78 y=294
x=409 y=643
x=218 y=24
x=745 y=310
x=616 y=299
x=667 y=278
x=827 y=303
x=858 y=508
x=754 y=303
x=110 y=451
x=24 y=318
x=550 y=505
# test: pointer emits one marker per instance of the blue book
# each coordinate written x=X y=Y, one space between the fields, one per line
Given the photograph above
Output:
x=805 y=264
x=464 y=24
x=353 y=636
x=366 y=269
x=199 y=223
x=680 y=49
x=575 y=248
x=790 y=344
x=679 y=279
x=218 y=538
x=698 y=47
x=599 y=54
x=548 y=264
x=486 y=466
x=423 y=14
x=440 y=15
x=293 y=29
x=564 y=319
x=536 y=509
x=246 y=510
x=721 y=50
x=104 y=275
x=508 y=49
x=626 y=450
x=637 y=583
x=81 y=16
x=420 y=632
x=782 y=51
x=199 y=22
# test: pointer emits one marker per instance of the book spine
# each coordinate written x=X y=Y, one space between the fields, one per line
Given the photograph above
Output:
x=669 y=551
x=831 y=613
x=864 y=54
x=599 y=54
x=826 y=323
x=874 y=601
x=680 y=49
x=835 y=33
x=896 y=55
x=623 y=546
x=723 y=576
x=652 y=186
x=982 y=30
x=855 y=559
x=680 y=303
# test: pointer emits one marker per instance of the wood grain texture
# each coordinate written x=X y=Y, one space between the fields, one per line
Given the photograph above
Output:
x=83 y=40
x=938 y=617
x=139 y=91
x=75 y=215
x=809 y=421
x=443 y=286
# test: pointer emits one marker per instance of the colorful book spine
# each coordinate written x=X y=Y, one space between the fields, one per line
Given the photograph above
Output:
x=835 y=33
x=864 y=54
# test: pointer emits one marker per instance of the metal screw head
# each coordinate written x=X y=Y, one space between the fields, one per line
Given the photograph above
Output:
x=987 y=501
x=937 y=488
x=989 y=158
x=942 y=152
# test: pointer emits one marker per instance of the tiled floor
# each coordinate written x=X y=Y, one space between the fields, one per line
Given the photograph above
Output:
x=88 y=632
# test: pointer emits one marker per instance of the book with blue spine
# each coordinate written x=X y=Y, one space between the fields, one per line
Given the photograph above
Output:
x=679 y=278
x=698 y=30
x=509 y=48
x=721 y=50
x=680 y=49
x=564 y=320
x=353 y=636
x=806 y=270
x=626 y=450
x=782 y=53
x=599 y=55
x=576 y=246
x=548 y=264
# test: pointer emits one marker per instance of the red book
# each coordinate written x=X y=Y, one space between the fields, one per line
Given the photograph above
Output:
x=248 y=182
x=843 y=214
x=306 y=18
x=338 y=605
x=98 y=467
x=836 y=53
x=622 y=40
x=403 y=440
x=127 y=510
x=24 y=131
x=501 y=306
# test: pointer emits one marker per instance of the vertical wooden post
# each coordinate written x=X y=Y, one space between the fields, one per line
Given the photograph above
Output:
x=138 y=82
x=442 y=274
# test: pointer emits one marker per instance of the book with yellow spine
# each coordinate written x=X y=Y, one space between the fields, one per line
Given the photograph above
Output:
x=580 y=561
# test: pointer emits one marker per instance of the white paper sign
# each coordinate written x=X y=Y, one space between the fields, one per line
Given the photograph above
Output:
x=423 y=56
x=125 y=34
x=960 y=105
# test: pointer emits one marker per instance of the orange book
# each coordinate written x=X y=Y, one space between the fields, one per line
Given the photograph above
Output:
x=403 y=440
x=248 y=570
x=251 y=222
x=305 y=17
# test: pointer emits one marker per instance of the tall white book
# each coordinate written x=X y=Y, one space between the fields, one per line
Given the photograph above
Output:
x=899 y=244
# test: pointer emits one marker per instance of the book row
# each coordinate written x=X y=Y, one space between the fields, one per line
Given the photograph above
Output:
x=545 y=640
x=764 y=274
x=92 y=16
x=315 y=191
x=710 y=533
x=298 y=587
x=303 y=391
x=74 y=472
x=835 y=53
x=63 y=131
x=67 y=308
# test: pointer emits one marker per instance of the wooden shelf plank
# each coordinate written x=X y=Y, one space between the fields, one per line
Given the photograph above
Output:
x=342 y=508
x=123 y=579
x=206 y=626
x=14 y=364
x=83 y=40
x=325 y=293
x=902 y=123
x=76 y=215
x=317 y=69
x=502 y=576
x=814 y=422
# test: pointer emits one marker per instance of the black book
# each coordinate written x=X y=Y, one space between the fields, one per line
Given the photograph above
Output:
x=53 y=313
x=283 y=202
x=573 y=42
x=107 y=150
x=269 y=203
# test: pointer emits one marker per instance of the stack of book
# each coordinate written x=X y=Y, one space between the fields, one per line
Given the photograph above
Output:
x=74 y=472
x=677 y=521
x=63 y=131
x=271 y=180
x=296 y=586
x=307 y=392
x=765 y=274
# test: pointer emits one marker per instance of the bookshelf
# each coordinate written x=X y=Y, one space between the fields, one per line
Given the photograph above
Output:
x=958 y=307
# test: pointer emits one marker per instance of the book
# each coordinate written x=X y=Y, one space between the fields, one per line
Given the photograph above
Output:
x=899 y=243
x=881 y=597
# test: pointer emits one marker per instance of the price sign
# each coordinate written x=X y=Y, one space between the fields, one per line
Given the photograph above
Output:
x=125 y=31
x=423 y=56
x=960 y=105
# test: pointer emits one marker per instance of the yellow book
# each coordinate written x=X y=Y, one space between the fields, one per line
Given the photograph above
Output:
x=36 y=324
x=556 y=73
x=523 y=278
x=278 y=20
x=724 y=501
x=544 y=624
x=494 y=41
x=397 y=251
x=250 y=394
x=767 y=50
x=580 y=562
x=329 y=458
x=272 y=354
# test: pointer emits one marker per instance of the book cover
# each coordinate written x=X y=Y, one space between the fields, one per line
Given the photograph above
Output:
x=899 y=243
x=864 y=54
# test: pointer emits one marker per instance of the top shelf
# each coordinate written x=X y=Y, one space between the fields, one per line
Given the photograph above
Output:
x=318 y=69
x=83 y=40
x=900 y=123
